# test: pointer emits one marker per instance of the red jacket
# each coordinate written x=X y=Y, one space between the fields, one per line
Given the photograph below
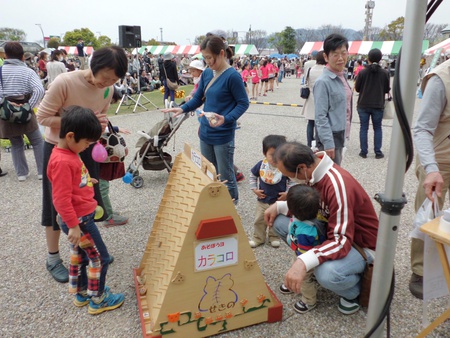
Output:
x=72 y=189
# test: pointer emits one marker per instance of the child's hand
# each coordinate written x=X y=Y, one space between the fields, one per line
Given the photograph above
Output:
x=94 y=180
x=74 y=235
x=260 y=193
x=282 y=196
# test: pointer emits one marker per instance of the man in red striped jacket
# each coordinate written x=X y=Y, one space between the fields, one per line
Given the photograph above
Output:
x=351 y=219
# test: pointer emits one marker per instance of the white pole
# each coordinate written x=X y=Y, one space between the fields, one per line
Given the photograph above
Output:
x=390 y=221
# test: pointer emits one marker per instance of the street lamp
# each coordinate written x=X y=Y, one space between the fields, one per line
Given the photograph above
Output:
x=43 y=36
x=161 y=33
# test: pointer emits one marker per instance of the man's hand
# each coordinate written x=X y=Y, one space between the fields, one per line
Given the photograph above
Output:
x=74 y=235
x=330 y=152
x=260 y=193
x=270 y=214
x=295 y=275
x=433 y=182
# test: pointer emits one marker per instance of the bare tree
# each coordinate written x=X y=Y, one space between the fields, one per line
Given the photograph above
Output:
x=376 y=34
x=325 y=30
x=432 y=32
x=258 y=38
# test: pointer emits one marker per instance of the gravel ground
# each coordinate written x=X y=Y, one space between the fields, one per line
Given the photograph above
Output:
x=32 y=304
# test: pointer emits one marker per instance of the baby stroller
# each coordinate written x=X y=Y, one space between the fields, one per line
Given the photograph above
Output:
x=151 y=154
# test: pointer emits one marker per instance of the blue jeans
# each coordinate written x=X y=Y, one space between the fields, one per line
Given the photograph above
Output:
x=280 y=76
x=222 y=156
x=342 y=276
x=377 y=118
x=88 y=226
x=168 y=92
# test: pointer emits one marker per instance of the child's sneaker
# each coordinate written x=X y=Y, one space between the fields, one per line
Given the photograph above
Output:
x=301 y=307
x=83 y=299
x=108 y=302
x=284 y=290
x=253 y=244
x=239 y=176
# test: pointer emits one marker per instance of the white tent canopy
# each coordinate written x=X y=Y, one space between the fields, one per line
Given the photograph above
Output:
x=445 y=45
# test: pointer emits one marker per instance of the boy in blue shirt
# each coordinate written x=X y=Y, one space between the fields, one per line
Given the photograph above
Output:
x=305 y=232
x=269 y=185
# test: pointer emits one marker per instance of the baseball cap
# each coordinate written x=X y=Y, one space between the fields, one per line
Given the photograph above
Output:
x=314 y=53
x=197 y=64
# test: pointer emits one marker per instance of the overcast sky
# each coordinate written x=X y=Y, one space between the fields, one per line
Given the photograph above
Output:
x=181 y=21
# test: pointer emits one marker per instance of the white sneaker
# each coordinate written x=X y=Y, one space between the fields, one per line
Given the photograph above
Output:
x=275 y=244
x=253 y=244
x=39 y=177
x=23 y=178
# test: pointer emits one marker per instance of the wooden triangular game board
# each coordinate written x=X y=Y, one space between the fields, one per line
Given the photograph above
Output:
x=198 y=275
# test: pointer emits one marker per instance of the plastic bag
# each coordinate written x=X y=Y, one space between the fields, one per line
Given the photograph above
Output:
x=427 y=212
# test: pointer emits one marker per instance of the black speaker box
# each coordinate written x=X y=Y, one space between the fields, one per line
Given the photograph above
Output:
x=130 y=36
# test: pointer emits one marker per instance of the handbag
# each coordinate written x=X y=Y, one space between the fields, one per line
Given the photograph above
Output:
x=304 y=90
x=426 y=213
x=170 y=84
x=111 y=171
x=15 y=109
x=114 y=144
x=366 y=278
x=389 y=108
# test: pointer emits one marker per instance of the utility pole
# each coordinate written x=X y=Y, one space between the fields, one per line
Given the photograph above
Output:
x=250 y=33
x=161 y=33
x=370 y=4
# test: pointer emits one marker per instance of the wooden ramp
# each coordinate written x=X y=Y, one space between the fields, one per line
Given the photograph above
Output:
x=198 y=275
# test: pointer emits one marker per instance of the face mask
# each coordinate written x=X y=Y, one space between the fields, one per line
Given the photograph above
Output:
x=61 y=58
x=297 y=180
x=196 y=80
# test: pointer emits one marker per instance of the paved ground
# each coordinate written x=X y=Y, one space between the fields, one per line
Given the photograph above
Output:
x=32 y=304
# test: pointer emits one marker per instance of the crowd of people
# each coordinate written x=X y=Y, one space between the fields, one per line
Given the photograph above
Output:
x=290 y=179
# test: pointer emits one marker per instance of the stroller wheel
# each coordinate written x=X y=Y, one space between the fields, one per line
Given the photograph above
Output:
x=137 y=182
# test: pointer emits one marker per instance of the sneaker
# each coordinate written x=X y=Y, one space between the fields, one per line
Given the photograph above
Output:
x=109 y=302
x=362 y=155
x=239 y=176
x=284 y=290
x=111 y=260
x=115 y=220
x=3 y=173
x=23 y=178
x=39 y=177
x=253 y=244
x=58 y=271
x=416 y=286
x=379 y=155
x=82 y=300
x=348 y=307
x=275 y=244
x=301 y=307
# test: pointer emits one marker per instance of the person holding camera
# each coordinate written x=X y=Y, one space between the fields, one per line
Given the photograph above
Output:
x=81 y=54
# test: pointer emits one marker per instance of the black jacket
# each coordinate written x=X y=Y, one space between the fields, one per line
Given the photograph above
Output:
x=171 y=70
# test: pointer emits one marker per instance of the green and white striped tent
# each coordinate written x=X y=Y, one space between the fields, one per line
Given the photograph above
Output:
x=194 y=49
x=363 y=47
